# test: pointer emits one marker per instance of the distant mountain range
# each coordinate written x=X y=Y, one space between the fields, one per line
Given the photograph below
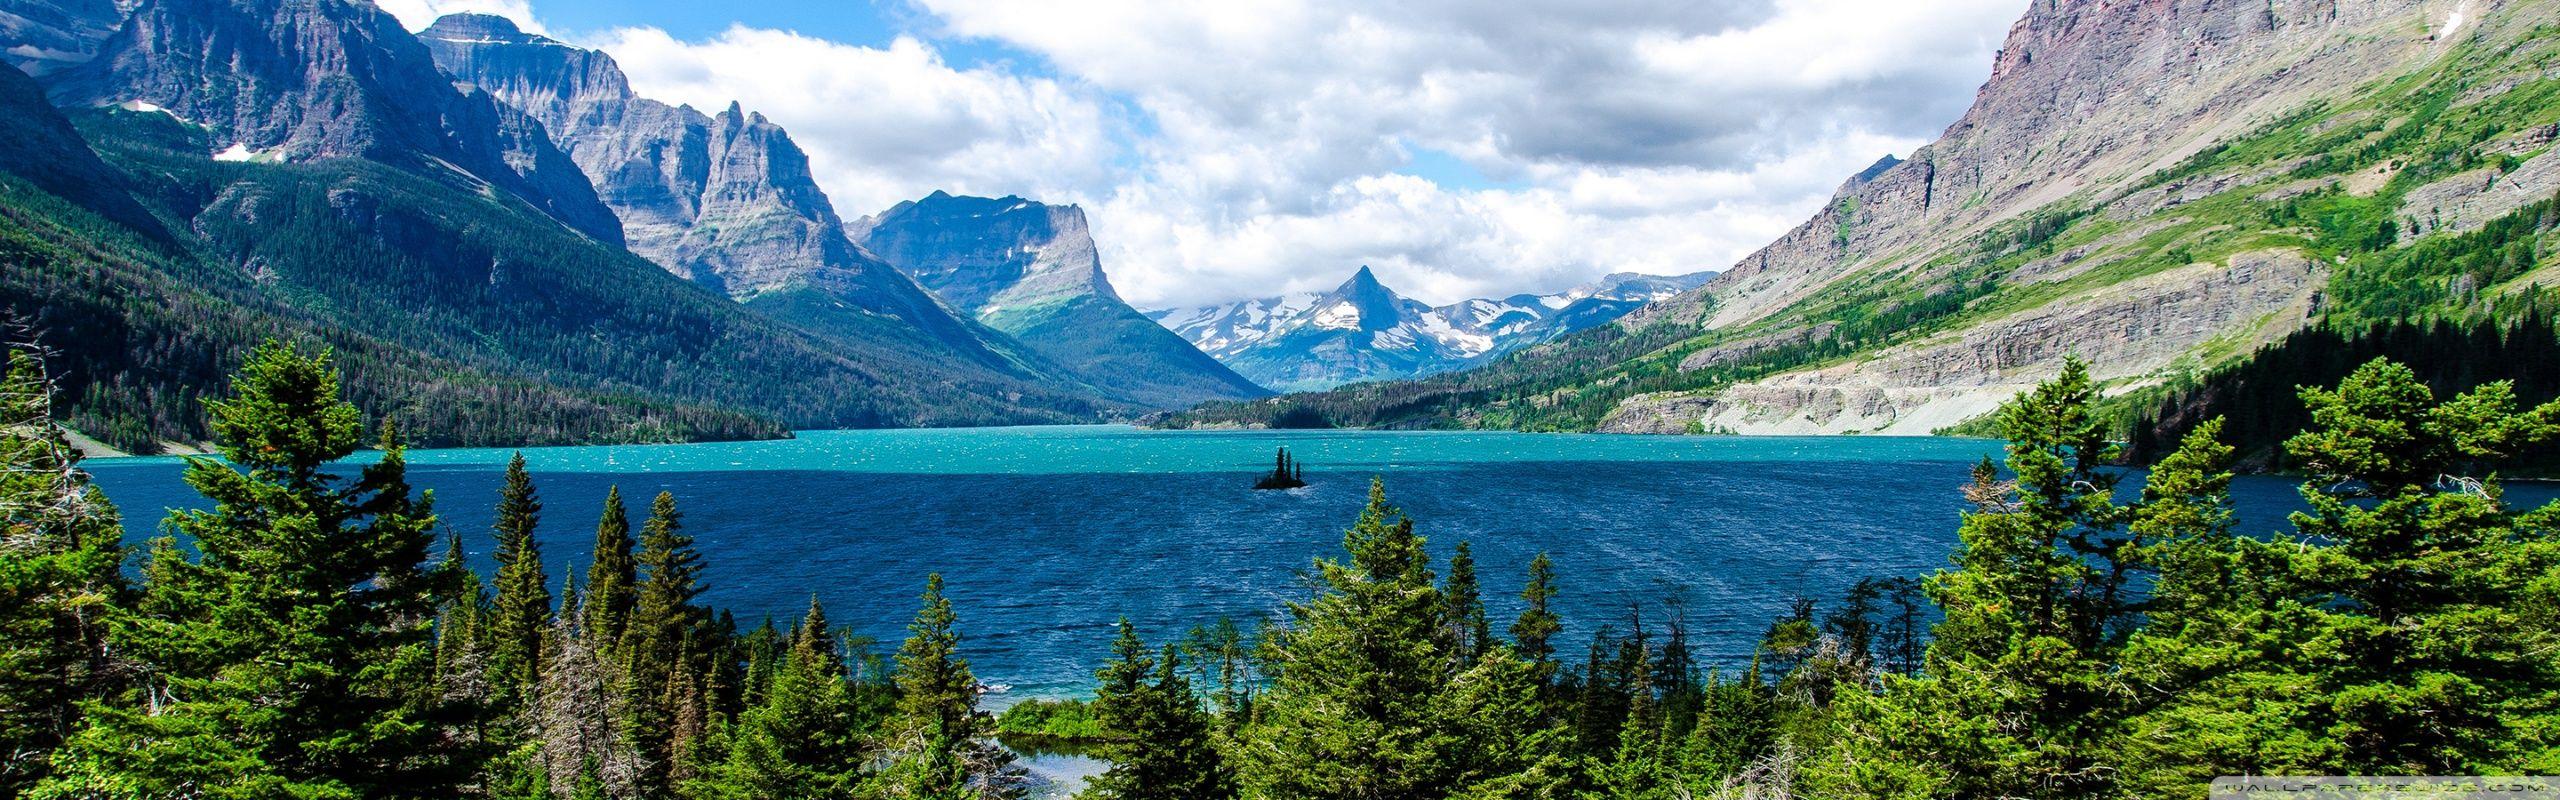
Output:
x=1363 y=331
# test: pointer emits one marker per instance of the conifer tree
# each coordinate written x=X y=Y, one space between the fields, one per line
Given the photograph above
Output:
x=1356 y=677
x=1162 y=748
x=798 y=742
x=2393 y=634
x=1469 y=633
x=583 y=715
x=521 y=612
x=292 y=656
x=934 y=729
x=1534 y=632
x=659 y=653
x=612 y=573
x=60 y=583
x=2017 y=691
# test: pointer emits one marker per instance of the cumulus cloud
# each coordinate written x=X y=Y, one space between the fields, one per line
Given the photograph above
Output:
x=1650 y=136
x=884 y=124
x=1244 y=148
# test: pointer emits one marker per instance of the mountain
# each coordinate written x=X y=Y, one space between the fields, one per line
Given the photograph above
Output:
x=301 y=80
x=318 y=179
x=725 y=200
x=2160 y=188
x=48 y=35
x=1031 y=270
x=1363 y=331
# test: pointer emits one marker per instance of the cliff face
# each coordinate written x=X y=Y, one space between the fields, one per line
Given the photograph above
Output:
x=725 y=200
x=300 y=80
x=1031 y=270
x=45 y=36
x=2090 y=112
x=2085 y=96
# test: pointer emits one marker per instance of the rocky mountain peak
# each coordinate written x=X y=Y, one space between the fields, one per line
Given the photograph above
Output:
x=471 y=27
x=297 y=80
x=985 y=254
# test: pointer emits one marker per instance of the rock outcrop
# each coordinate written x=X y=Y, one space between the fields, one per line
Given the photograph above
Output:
x=2126 y=332
x=44 y=36
x=300 y=80
x=726 y=200
x=1032 y=270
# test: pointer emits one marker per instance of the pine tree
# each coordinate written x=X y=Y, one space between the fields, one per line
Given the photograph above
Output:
x=293 y=655
x=659 y=652
x=1469 y=633
x=1356 y=677
x=1162 y=748
x=521 y=611
x=60 y=583
x=1534 y=633
x=934 y=729
x=612 y=574
x=798 y=742
x=2018 y=687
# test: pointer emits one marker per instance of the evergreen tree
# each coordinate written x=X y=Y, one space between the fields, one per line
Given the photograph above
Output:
x=612 y=573
x=582 y=716
x=659 y=654
x=60 y=583
x=1468 y=631
x=522 y=610
x=1161 y=748
x=2396 y=636
x=798 y=742
x=1510 y=746
x=1356 y=677
x=934 y=731
x=2018 y=689
x=293 y=655
x=1534 y=632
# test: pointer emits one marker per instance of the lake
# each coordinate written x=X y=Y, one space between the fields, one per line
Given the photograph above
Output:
x=1047 y=535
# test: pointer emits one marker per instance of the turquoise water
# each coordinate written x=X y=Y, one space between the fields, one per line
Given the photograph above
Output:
x=1047 y=535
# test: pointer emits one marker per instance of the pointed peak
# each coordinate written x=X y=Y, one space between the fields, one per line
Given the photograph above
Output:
x=1362 y=280
x=735 y=110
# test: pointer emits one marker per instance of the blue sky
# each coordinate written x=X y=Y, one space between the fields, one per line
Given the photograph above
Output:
x=1252 y=147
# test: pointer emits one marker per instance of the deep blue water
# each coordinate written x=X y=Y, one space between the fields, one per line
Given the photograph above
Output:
x=1047 y=535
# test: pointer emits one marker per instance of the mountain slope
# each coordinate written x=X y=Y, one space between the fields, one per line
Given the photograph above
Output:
x=724 y=200
x=298 y=80
x=1364 y=331
x=1031 y=270
x=2158 y=187
x=465 y=306
x=48 y=35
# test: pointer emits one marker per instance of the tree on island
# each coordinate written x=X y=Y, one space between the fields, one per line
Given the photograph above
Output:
x=1286 y=473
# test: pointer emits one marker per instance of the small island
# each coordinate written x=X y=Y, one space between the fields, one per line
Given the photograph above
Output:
x=1286 y=473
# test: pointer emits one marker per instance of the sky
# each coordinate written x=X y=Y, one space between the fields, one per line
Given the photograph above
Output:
x=1246 y=148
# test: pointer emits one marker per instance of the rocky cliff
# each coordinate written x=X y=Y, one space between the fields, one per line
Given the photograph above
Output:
x=45 y=36
x=726 y=200
x=1031 y=270
x=300 y=80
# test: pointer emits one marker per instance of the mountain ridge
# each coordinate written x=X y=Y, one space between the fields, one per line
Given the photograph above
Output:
x=1032 y=270
x=1300 y=341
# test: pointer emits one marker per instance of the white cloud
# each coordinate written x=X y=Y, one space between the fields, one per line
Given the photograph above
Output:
x=884 y=124
x=1651 y=136
x=1244 y=148
x=418 y=14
